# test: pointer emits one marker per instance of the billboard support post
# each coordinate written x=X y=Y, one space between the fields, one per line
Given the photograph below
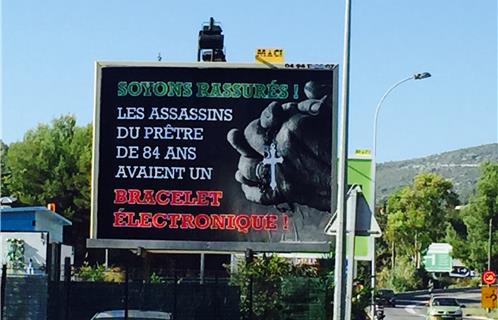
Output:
x=202 y=268
x=67 y=286
x=249 y=257
x=126 y=293
x=175 y=289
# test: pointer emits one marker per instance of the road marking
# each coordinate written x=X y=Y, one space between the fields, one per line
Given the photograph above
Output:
x=411 y=309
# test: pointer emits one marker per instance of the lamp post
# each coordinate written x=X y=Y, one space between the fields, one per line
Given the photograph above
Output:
x=373 y=169
x=490 y=236
x=416 y=76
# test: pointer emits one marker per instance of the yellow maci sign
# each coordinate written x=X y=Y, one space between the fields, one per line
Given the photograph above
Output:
x=362 y=152
x=270 y=55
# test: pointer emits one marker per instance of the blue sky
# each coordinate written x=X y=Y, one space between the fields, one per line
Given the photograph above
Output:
x=49 y=48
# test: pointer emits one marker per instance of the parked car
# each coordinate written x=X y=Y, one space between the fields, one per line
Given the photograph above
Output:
x=444 y=308
x=132 y=315
x=385 y=297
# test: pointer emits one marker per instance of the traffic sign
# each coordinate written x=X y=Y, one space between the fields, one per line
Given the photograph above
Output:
x=489 y=277
x=438 y=258
x=489 y=297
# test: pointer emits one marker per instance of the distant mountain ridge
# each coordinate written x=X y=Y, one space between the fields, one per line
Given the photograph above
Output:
x=460 y=166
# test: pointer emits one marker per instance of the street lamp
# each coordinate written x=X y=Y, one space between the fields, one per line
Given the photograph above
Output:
x=416 y=76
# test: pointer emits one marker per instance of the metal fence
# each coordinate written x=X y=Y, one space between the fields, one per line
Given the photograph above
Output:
x=24 y=297
x=289 y=298
x=183 y=301
x=184 y=298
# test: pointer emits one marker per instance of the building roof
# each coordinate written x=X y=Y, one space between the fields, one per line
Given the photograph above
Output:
x=60 y=219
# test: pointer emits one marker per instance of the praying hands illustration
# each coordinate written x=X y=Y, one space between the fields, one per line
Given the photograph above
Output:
x=285 y=154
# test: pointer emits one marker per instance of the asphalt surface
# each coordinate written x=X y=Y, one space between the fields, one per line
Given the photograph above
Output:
x=413 y=305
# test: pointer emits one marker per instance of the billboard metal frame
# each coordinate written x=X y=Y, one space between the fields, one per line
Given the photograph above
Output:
x=203 y=246
x=209 y=246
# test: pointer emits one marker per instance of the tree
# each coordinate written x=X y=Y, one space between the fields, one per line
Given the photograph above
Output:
x=382 y=247
x=472 y=246
x=282 y=290
x=4 y=171
x=53 y=164
x=404 y=277
x=418 y=214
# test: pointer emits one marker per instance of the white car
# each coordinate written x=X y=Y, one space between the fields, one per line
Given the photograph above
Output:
x=132 y=315
x=444 y=308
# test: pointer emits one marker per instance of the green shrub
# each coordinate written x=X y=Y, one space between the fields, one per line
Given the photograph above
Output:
x=99 y=273
x=404 y=278
x=156 y=279
x=280 y=290
x=15 y=254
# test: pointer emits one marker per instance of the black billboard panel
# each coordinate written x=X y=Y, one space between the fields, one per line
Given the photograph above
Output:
x=213 y=152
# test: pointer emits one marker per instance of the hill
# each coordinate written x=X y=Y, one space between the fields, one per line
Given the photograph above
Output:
x=460 y=166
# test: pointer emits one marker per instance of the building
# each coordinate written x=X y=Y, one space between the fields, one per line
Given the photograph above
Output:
x=32 y=240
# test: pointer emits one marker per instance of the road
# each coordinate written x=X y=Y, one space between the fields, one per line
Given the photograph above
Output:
x=413 y=305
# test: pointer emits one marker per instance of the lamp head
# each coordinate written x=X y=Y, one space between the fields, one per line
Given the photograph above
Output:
x=422 y=75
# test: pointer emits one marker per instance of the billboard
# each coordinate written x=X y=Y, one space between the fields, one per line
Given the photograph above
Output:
x=213 y=152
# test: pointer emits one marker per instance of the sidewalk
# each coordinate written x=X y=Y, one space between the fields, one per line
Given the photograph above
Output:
x=477 y=312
